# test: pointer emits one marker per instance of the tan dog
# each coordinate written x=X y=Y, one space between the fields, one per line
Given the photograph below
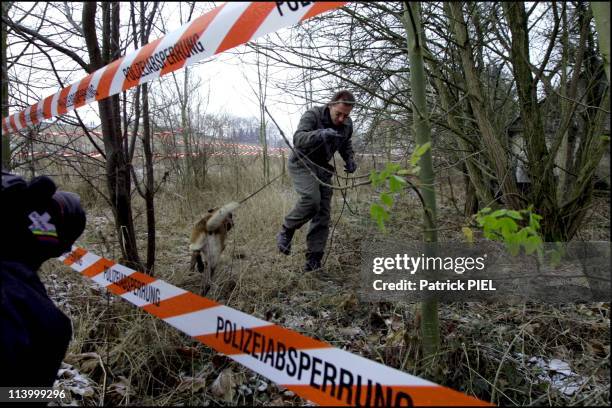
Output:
x=208 y=241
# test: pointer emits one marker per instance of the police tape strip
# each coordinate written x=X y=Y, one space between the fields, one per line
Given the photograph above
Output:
x=311 y=368
x=218 y=153
x=225 y=27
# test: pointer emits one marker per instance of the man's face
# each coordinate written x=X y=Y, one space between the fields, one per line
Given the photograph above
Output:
x=339 y=112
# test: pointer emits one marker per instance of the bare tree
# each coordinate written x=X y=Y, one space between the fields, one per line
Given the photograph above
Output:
x=601 y=12
x=487 y=96
x=422 y=132
x=117 y=159
x=6 y=147
x=147 y=143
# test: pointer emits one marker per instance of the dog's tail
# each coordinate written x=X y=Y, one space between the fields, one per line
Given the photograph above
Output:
x=220 y=215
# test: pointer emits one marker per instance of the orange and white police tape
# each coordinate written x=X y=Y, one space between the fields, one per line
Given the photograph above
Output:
x=225 y=27
x=311 y=368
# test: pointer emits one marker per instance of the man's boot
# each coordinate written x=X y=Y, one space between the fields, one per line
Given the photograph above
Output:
x=283 y=240
x=313 y=261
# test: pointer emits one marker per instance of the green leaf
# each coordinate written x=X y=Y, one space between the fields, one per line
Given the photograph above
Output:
x=499 y=213
x=400 y=179
x=377 y=211
x=387 y=199
x=501 y=225
x=392 y=167
x=374 y=178
x=514 y=214
x=511 y=238
x=396 y=183
x=507 y=226
x=380 y=215
x=420 y=151
x=522 y=235
x=531 y=244
x=492 y=235
x=534 y=221
x=490 y=223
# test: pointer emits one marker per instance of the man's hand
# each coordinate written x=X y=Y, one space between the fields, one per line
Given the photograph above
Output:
x=328 y=134
x=350 y=166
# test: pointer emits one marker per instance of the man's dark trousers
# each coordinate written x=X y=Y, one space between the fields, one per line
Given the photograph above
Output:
x=314 y=204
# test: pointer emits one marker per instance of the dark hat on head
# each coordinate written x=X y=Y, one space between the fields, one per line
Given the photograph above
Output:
x=41 y=223
x=70 y=218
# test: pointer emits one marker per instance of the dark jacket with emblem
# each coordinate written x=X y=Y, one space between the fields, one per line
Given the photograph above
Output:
x=34 y=333
x=307 y=140
x=40 y=223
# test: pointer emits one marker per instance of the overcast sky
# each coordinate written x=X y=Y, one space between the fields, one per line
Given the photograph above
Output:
x=229 y=79
x=223 y=75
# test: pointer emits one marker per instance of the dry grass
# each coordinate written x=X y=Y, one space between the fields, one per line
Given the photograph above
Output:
x=144 y=361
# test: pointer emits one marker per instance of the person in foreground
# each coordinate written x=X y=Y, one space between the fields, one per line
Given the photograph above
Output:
x=38 y=223
x=322 y=131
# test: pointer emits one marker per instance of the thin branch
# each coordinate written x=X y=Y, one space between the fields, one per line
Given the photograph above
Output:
x=52 y=44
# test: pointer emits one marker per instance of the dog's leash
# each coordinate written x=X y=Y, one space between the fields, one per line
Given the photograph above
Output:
x=260 y=188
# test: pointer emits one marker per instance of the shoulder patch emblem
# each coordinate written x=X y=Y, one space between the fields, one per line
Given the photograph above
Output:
x=41 y=226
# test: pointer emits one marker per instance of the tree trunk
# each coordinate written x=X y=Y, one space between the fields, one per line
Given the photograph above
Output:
x=186 y=129
x=564 y=157
x=490 y=137
x=471 y=197
x=149 y=183
x=575 y=206
x=475 y=183
x=147 y=144
x=261 y=96
x=543 y=186
x=117 y=166
x=601 y=12
x=6 y=140
x=412 y=25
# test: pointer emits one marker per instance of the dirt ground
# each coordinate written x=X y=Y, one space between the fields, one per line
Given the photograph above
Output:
x=510 y=354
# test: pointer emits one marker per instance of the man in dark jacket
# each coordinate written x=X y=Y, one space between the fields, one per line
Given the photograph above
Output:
x=38 y=223
x=322 y=131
